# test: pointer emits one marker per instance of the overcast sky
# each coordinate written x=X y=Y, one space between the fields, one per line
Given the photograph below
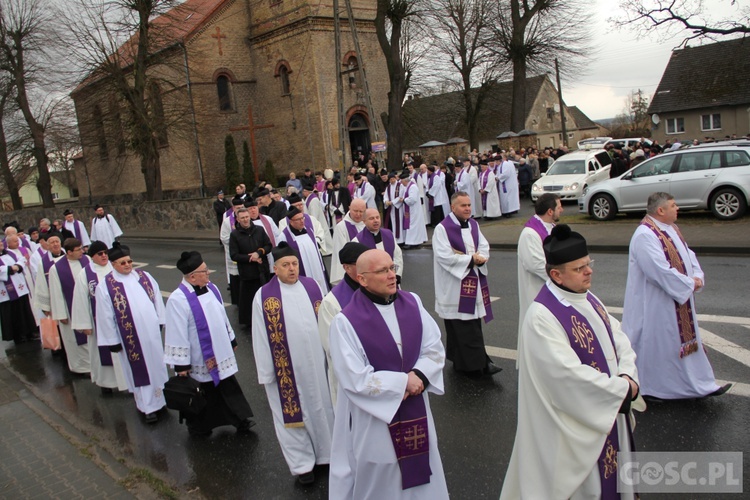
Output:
x=622 y=62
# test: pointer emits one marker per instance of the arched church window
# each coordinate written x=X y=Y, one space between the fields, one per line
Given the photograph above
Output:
x=283 y=70
x=224 y=89
x=101 y=135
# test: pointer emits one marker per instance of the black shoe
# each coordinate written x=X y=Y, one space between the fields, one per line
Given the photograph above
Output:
x=152 y=418
x=244 y=427
x=721 y=390
x=107 y=391
x=652 y=399
x=306 y=479
x=492 y=369
x=196 y=433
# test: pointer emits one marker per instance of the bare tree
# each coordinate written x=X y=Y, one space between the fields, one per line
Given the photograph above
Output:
x=22 y=46
x=127 y=55
x=390 y=20
x=531 y=34
x=462 y=34
x=6 y=94
x=692 y=16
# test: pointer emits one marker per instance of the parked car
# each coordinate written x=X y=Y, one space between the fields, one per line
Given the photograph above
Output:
x=716 y=178
x=593 y=142
x=571 y=173
x=628 y=142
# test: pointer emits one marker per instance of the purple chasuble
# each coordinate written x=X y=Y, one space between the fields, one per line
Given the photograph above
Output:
x=368 y=239
x=586 y=345
x=273 y=316
x=473 y=280
x=204 y=333
x=537 y=225
x=408 y=428
x=68 y=284
x=684 y=312
x=407 y=217
x=126 y=325
x=92 y=281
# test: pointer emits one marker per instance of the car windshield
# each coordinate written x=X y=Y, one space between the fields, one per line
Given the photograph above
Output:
x=567 y=167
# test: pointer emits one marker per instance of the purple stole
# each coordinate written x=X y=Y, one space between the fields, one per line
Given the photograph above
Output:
x=406 y=206
x=343 y=292
x=502 y=182
x=684 y=312
x=335 y=201
x=361 y=189
x=351 y=229
x=204 y=333
x=232 y=218
x=92 y=280
x=68 y=283
x=76 y=230
x=309 y=200
x=408 y=429
x=431 y=204
x=268 y=228
x=47 y=262
x=387 y=215
x=586 y=345
x=484 y=178
x=25 y=244
x=368 y=239
x=538 y=226
x=473 y=280
x=273 y=316
x=9 y=286
x=290 y=238
x=126 y=325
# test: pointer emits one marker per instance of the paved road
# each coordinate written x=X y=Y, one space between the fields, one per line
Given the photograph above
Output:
x=475 y=420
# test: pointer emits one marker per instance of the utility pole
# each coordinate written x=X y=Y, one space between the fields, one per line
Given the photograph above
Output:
x=562 y=108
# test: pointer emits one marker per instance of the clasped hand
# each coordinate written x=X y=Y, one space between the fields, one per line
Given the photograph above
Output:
x=414 y=385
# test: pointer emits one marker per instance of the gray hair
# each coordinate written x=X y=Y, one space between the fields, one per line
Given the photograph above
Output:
x=656 y=200
x=458 y=194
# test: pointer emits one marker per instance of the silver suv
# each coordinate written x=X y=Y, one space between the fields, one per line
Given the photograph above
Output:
x=710 y=177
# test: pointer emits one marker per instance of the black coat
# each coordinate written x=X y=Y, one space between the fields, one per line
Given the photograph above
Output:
x=275 y=210
x=243 y=242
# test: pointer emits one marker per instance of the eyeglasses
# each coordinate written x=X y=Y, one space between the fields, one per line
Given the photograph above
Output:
x=124 y=262
x=380 y=272
x=103 y=252
x=580 y=269
x=203 y=271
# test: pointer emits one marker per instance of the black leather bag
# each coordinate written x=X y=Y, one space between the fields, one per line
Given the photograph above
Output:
x=184 y=394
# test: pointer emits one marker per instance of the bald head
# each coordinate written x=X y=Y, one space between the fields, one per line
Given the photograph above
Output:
x=357 y=209
x=376 y=273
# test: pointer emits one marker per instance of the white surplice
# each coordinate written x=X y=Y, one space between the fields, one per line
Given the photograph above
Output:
x=71 y=226
x=531 y=271
x=466 y=181
x=41 y=286
x=329 y=308
x=224 y=232
x=182 y=346
x=393 y=193
x=363 y=461
x=310 y=257
x=493 y=197
x=322 y=235
x=508 y=187
x=367 y=192
x=417 y=232
x=303 y=447
x=147 y=317
x=105 y=230
x=79 y=359
x=317 y=212
x=450 y=268
x=439 y=194
x=398 y=254
x=274 y=237
x=83 y=319
x=566 y=409
x=341 y=238
x=422 y=181
x=650 y=320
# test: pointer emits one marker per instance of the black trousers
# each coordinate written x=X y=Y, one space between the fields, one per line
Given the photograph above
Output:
x=234 y=289
x=248 y=288
x=465 y=345
x=17 y=320
x=436 y=216
x=226 y=406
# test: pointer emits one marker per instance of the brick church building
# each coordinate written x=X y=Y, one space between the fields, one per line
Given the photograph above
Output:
x=264 y=67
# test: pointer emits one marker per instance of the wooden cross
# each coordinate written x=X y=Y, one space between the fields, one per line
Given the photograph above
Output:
x=252 y=127
x=218 y=35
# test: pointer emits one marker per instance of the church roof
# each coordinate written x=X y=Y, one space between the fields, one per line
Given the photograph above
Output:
x=440 y=116
x=178 y=25
x=706 y=76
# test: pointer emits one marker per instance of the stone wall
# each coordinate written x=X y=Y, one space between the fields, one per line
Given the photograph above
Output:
x=178 y=214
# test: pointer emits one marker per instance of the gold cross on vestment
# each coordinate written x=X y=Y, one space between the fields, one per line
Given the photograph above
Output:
x=414 y=437
x=218 y=35
x=470 y=288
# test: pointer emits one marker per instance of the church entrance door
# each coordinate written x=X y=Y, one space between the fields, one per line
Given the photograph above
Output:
x=359 y=135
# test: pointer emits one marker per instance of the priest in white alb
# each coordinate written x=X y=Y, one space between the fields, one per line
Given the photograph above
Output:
x=106 y=369
x=104 y=227
x=507 y=186
x=437 y=196
x=393 y=205
x=659 y=312
x=291 y=364
x=531 y=263
x=374 y=236
x=322 y=234
x=62 y=281
x=577 y=386
x=344 y=232
x=466 y=181
x=415 y=231
x=488 y=192
x=301 y=238
x=129 y=317
x=387 y=355
x=314 y=208
x=76 y=227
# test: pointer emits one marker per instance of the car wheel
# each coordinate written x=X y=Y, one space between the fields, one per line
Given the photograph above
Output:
x=603 y=207
x=728 y=204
